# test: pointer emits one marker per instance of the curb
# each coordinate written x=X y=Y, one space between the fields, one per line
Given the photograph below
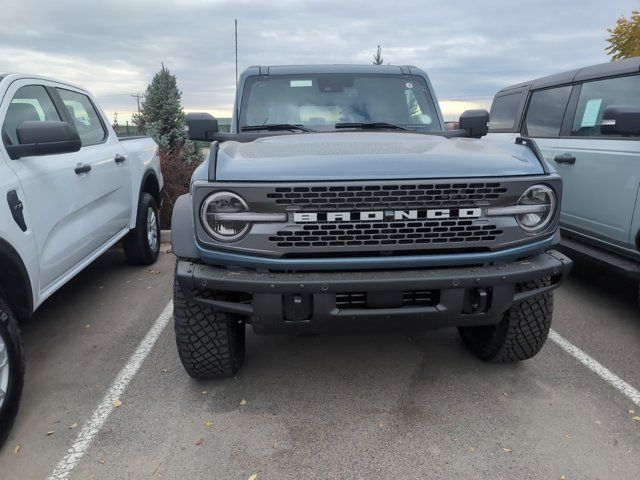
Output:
x=165 y=236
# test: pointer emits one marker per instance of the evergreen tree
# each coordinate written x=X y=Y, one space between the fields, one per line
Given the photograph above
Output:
x=377 y=57
x=162 y=116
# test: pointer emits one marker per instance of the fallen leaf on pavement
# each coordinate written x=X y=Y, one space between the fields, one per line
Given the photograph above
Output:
x=204 y=392
x=117 y=403
x=505 y=394
x=72 y=426
x=562 y=477
x=253 y=477
x=243 y=402
x=506 y=450
x=567 y=435
x=200 y=442
x=152 y=272
x=50 y=432
x=16 y=449
x=636 y=418
x=208 y=424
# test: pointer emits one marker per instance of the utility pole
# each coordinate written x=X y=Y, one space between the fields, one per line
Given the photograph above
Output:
x=236 y=23
x=137 y=96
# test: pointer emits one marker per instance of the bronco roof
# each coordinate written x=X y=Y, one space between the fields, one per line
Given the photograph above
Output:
x=311 y=69
x=609 y=69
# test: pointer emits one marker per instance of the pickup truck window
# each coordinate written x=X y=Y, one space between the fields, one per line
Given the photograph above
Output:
x=598 y=95
x=504 y=111
x=30 y=103
x=546 y=111
x=84 y=116
x=320 y=101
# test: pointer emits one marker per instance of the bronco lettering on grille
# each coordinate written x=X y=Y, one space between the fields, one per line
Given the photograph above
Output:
x=380 y=215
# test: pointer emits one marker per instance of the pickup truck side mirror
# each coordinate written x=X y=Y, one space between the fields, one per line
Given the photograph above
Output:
x=44 y=138
x=201 y=126
x=620 y=120
x=475 y=123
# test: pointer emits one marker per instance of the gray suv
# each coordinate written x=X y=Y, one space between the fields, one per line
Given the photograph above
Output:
x=587 y=125
x=338 y=201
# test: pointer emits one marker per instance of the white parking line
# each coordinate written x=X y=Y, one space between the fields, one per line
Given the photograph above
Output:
x=596 y=367
x=91 y=428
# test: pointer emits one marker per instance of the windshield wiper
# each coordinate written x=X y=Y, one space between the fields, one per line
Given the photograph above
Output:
x=275 y=126
x=371 y=126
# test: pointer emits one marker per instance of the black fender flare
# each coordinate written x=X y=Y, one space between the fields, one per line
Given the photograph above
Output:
x=183 y=232
x=22 y=304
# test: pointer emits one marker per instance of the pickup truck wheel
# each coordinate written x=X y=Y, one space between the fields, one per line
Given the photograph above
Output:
x=520 y=334
x=142 y=244
x=210 y=344
x=11 y=369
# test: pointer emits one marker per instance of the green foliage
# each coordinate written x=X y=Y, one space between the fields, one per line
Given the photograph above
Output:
x=624 y=41
x=162 y=117
x=377 y=57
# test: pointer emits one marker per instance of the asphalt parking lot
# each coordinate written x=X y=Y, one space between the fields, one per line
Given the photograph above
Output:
x=333 y=406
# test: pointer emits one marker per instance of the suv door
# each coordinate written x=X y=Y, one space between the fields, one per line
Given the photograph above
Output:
x=601 y=174
x=543 y=118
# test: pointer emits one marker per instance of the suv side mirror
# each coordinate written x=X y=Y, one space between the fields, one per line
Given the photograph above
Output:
x=475 y=123
x=44 y=138
x=201 y=126
x=619 y=120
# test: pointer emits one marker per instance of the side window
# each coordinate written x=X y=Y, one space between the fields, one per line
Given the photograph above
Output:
x=84 y=116
x=504 y=111
x=546 y=112
x=598 y=95
x=30 y=103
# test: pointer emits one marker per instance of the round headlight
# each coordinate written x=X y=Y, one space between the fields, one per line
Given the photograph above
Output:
x=224 y=203
x=542 y=201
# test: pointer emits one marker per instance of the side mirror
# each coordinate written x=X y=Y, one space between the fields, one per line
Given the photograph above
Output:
x=619 y=120
x=201 y=126
x=44 y=138
x=475 y=123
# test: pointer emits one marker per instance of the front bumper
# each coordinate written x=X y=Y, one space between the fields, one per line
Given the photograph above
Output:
x=323 y=301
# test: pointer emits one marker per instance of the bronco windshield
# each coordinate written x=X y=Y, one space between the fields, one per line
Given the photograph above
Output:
x=320 y=101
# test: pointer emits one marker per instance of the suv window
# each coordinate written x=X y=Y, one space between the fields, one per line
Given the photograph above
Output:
x=598 y=95
x=546 y=112
x=320 y=100
x=504 y=110
x=84 y=116
x=30 y=103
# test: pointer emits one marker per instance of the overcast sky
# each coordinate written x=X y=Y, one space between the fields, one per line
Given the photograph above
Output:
x=470 y=49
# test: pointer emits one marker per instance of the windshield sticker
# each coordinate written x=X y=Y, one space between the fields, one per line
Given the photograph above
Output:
x=408 y=85
x=591 y=110
x=301 y=83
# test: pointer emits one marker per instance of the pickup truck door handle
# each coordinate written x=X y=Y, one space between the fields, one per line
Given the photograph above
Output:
x=82 y=168
x=120 y=159
x=567 y=159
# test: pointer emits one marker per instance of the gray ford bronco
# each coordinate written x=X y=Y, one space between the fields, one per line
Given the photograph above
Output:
x=338 y=201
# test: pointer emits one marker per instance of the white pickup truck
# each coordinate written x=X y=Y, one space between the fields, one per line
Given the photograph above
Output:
x=69 y=190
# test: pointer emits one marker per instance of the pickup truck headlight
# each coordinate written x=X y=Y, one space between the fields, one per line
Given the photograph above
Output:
x=219 y=216
x=541 y=201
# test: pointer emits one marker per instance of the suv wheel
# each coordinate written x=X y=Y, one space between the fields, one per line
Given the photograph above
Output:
x=520 y=334
x=210 y=344
x=142 y=244
x=11 y=369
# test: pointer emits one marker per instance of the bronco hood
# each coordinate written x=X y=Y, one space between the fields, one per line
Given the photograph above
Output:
x=369 y=156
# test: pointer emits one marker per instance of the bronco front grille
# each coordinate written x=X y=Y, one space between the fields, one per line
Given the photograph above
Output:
x=391 y=233
x=387 y=196
x=319 y=237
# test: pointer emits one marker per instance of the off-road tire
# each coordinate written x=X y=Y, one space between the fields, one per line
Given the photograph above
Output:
x=11 y=339
x=520 y=334
x=210 y=344
x=136 y=245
